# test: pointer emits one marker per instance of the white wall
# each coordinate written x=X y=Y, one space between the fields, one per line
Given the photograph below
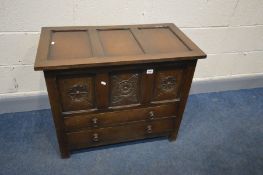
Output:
x=229 y=31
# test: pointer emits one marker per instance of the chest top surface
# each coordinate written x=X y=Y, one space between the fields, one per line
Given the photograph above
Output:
x=91 y=46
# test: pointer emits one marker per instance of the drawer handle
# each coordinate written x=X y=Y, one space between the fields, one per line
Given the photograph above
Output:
x=95 y=137
x=95 y=122
x=151 y=115
x=149 y=129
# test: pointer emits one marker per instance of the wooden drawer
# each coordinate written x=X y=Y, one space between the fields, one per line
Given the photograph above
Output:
x=106 y=119
x=139 y=130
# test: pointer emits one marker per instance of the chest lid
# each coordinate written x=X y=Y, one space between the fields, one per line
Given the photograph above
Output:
x=90 y=46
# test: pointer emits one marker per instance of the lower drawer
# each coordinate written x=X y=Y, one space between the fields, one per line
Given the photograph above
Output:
x=107 y=119
x=103 y=136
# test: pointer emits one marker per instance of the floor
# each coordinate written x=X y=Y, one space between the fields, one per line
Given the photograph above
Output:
x=221 y=133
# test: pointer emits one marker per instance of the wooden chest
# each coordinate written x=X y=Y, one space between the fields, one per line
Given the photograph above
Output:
x=115 y=84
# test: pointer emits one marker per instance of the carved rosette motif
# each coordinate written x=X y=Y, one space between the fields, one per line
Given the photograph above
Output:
x=168 y=84
x=124 y=90
x=78 y=93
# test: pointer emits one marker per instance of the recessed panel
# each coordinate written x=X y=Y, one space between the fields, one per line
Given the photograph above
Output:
x=69 y=44
x=76 y=92
x=119 y=42
x=161 y=40
x=167 y=84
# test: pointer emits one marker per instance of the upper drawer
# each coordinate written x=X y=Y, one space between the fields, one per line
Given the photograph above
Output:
x=78 y=122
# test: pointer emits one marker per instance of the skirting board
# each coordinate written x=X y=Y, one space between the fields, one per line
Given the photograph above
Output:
x=20 y=102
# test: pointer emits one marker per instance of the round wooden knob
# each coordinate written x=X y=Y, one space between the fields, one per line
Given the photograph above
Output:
x=149 y=129
x=95 y=137
x=151 y=115
x=95 y=122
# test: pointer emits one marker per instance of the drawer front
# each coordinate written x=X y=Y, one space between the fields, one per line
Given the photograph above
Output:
x=139 y=130
x=75 y=123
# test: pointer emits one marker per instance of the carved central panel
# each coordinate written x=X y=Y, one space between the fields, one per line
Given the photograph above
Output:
x=124 y=89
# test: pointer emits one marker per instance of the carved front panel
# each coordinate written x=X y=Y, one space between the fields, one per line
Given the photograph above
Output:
x=124 y=89
x=167 y=84
x=76 y=92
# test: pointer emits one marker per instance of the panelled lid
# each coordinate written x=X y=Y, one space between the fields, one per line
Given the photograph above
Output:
x=89 y=46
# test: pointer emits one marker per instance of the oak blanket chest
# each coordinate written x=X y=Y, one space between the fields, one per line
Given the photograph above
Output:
x=111 y=84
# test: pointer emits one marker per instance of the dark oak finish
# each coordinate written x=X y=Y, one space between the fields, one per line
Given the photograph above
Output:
x=111 y=84
x=189 y=73
x=102 y=88
x=105 y=119
x=168 y=84
x=132 y=44
x=102 y=136
x=56 y=112
x=76 y=91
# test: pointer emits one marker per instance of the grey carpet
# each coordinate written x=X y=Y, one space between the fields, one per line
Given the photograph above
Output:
x=221 y=133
